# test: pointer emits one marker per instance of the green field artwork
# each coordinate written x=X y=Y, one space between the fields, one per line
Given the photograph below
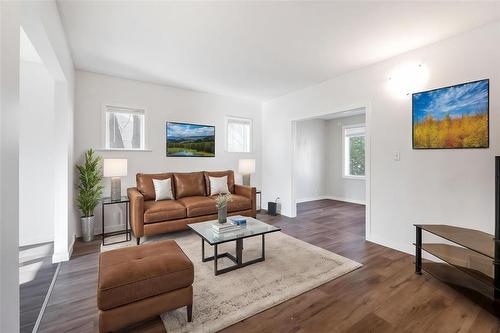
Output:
x=190 y=140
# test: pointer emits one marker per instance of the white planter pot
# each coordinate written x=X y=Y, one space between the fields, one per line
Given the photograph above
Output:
x=88 y=228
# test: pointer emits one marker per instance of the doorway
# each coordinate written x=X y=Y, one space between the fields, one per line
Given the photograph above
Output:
x=330 y=159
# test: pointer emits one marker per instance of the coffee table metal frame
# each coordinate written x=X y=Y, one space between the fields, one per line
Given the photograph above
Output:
x=238 y=259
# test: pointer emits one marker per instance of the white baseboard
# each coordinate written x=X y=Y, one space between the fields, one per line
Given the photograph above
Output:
x=66 y=255
x=309 y=199
x=70 y=249
x=60 y=256
x=355 y=201
x=406 y=248
x=331 y=197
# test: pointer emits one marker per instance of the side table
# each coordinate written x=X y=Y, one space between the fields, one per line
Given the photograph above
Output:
x=259 y=193
x=126 y=232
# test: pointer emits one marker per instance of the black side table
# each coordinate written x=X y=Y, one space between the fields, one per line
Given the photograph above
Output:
x=258 y=192
x=126 y=232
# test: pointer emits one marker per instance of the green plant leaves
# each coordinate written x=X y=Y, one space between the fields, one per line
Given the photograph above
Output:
x=89 y=183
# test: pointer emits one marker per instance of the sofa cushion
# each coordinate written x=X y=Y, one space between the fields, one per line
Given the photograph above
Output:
x=199 y=206
x=189 y=184
x=156 y=211
x=133 y=273
x=228 y=173
x=238 y=202
x=145 y=183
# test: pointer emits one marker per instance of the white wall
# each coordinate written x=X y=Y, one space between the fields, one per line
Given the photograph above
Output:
x=162 y=103
x=9 y=166
x=337 y=186
x=437 y=186
x=41 y=21
x=310 y=159
x=36 y=155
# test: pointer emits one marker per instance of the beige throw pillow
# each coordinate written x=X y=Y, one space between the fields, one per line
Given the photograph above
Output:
x=163 y=189
x=218 y=185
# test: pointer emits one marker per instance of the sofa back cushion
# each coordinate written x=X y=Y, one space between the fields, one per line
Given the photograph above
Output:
x=228 y=173
x=189 y=184
x=145 y=183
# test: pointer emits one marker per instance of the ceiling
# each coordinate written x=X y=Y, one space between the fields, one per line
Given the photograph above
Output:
x=255 y=50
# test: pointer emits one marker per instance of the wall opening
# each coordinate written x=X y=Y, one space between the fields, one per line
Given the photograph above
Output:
x=330 y=158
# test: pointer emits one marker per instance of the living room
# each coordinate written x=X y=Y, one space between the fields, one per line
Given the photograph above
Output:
x=249 y=166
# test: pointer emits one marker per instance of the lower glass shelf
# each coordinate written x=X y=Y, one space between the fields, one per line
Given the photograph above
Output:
x=458 y=279
x=474 y=264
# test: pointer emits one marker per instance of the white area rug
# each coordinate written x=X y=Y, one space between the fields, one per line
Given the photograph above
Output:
x=291 y=268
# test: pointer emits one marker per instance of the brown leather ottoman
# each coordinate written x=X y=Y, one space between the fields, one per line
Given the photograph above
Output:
x=141 y=282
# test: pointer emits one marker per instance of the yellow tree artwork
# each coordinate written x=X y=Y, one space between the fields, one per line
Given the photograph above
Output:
x=452 y=117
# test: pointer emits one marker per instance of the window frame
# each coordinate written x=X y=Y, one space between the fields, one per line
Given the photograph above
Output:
x=112 y=107
x=226 y=143
x=345 y=151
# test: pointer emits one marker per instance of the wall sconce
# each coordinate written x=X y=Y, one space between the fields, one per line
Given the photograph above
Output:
x=407 y=79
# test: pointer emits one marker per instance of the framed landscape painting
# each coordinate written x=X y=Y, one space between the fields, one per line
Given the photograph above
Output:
x=452 y=117
x=190 y=140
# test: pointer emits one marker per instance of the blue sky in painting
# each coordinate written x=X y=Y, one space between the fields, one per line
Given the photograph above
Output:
x=463 y=99
x=188 y=130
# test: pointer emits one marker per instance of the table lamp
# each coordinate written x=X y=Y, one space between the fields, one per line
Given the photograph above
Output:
x=246 y=167
x=115 y=168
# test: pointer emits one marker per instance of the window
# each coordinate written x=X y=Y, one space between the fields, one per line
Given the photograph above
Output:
x=354 y=151
x=124 y=128
x=238 y=135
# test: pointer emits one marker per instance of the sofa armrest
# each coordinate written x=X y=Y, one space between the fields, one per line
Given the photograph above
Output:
x=136 y=211
x=250 y=193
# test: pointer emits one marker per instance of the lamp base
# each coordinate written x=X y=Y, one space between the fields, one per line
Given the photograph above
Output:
x=116 y=188
x=246 y=180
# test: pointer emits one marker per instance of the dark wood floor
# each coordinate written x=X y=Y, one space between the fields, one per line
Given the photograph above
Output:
x=35 y=272
x=384 y=295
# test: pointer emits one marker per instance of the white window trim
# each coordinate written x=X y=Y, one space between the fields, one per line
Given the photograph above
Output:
x=138 y=110
x=227 y=118
x=344 y=159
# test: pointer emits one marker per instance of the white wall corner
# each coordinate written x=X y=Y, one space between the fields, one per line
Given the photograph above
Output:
x=64 y=255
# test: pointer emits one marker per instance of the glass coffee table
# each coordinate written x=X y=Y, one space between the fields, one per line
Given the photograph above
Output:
x=252 y=228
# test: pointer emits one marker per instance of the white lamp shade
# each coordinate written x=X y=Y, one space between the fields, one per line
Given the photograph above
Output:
x=114 y=167
x=246 y=166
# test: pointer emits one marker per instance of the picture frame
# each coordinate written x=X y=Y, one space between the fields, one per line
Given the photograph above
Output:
x=452 y=117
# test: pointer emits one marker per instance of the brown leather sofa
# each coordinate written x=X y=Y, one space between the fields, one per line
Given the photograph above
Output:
x=193 y=202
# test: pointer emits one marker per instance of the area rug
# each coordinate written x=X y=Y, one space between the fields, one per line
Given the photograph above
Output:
x=292 y=267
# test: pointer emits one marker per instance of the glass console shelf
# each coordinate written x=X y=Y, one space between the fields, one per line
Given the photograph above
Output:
x=468 y=264
x=478 y=241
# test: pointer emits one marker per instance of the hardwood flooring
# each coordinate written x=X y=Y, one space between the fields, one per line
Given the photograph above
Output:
x=35 y=275
x=385 y=295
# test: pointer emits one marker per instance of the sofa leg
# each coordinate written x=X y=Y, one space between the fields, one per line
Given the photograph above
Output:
x=189 y=312
x=138 y=240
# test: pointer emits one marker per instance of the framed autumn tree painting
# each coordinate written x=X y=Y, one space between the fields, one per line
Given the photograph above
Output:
x=452 y=117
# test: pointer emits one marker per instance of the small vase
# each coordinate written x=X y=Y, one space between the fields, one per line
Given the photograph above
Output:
x=222 y=215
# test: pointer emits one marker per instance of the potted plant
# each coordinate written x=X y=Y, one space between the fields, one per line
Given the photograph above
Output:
x=221 y=204
x=89 y=192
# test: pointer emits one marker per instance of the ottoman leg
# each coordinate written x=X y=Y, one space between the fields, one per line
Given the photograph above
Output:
x=138 y=240
x=189 y=312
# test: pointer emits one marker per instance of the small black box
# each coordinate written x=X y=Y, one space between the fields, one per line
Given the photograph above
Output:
x=272 y=208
